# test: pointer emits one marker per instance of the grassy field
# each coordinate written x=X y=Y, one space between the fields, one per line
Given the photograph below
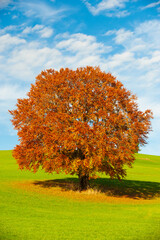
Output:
x=44 y=207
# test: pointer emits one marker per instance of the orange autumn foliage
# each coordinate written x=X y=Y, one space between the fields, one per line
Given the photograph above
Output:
x=80 y=122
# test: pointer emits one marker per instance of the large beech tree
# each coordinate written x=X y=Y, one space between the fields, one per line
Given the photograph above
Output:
x=79 y=122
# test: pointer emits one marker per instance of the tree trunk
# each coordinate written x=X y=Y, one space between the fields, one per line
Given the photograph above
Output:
x=83 y=182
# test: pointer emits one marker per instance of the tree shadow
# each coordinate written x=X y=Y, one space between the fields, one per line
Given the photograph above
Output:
x=111 y=187
x=128 y=188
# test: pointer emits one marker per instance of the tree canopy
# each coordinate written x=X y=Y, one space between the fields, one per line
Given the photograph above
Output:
x=79 y=122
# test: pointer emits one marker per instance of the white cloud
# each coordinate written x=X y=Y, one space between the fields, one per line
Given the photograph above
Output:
x=109 y=7
x=122 y=36
x=8 y=28
x=7 y=41
x=137 y=64
x=38 y=27
x=25 y=63
x=27 y=30
x=26 y=59
x=120 y=59
x=90 y=60
x=149 y=62
x=11 y=92
x=14 y=17
x=44 y=32
x=118 y=14
x=81 y=50
x=145 y=103
x=81 y=43
x=110 y=32
x=4 y=3
x=149 y=31
x=145 y=36
x=151 y=5
x=40 y=10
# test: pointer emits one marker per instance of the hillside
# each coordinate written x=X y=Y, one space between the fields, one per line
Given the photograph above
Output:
x=42 y=206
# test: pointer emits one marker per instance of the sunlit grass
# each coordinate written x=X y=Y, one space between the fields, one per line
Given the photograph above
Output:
x=43 y=207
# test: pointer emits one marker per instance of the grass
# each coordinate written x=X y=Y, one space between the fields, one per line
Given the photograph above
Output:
x=43 y=207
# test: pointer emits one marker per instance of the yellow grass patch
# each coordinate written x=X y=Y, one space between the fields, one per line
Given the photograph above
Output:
x=67 y=192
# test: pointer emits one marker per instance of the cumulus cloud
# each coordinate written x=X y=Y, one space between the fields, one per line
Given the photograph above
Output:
x=81 y=49
x=139 y=58
x=146 y=35
x=25 y=63
x=8 y=29
x=122 y=36
x=120 y=59
x=146 y=62
x=81 y=43
x=108 y=7
x=44 y=32
x=7 y=41
x=27 y=58
x=141 y=50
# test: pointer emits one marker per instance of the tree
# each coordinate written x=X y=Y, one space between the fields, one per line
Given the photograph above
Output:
x=80 y=122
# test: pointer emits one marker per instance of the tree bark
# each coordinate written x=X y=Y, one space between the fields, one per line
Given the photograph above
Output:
x=84 y=182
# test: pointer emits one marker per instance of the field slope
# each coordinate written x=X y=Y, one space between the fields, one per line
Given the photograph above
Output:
x=44 y=207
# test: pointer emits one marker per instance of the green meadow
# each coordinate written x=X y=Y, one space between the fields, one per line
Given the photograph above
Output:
x=48 y=207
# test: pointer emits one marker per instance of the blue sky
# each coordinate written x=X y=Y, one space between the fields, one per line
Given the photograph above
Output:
x=119 y=36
